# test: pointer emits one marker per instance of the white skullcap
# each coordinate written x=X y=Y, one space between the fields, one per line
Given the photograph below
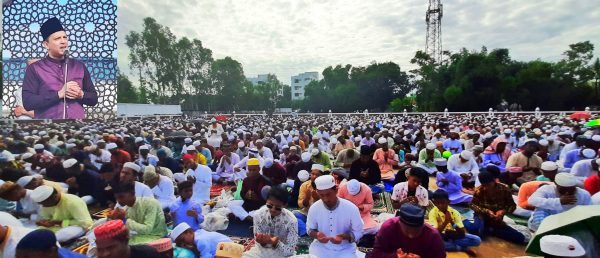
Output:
x=190 y=148
x=268 y=162
x=430 y=146
x=187 y=140
x=325 y=182
x=357 y=139
x=144 y=147
x=178 y=230
x=60 y=143
x=440 y=162
x=596 y=138
x=69 y=163
x=561 y=246
x=70 y=145
x=314 y=152
x=318 y=167
x=543 y=142
x=23 y=181
x=334 y=140
x=353 y=187
x=305 y=156
x=212 y=120
x=139 y=139
x=286 y=132
x=382 y=140
x=315 y=137
x=132 y=166
x=259 y=141
x=507 y=131
x=41 y=193
x=293 y=148
x=565 y=180
x=466 y=155
x=549 y=166
x=111 y=146
x=149 y=168
x=241 y=144
x=196 y=143
x=253 y=150
x=303 y=175
x=588 y=153
x=27 y=155
x=38 y=146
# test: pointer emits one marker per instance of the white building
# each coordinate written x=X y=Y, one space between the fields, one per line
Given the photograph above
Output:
x=261 y=78
x=300 y=81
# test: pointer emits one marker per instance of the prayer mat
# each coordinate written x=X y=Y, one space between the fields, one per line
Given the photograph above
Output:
x=238 y=228
x=519 y=220
x=383 y=204
x=215 y=190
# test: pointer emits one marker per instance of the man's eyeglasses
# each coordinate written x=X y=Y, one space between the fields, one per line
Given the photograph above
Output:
x=276 y=208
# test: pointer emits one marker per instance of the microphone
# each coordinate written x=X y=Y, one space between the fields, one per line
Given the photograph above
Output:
x=66 y=58
x=66 y=55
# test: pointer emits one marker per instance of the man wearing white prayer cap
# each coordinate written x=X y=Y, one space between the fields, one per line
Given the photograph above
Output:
x=204 y=241
x=561 y=246
x=145 y=158
x=61 y=212
x=465 y=165
x=426 y=157
x=130 y=174
x=334 y=223
x=360 y=194
x=576 y=155
x=554 y=199
x=585 y=168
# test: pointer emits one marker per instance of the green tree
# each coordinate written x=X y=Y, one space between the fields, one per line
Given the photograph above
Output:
x=126 y=93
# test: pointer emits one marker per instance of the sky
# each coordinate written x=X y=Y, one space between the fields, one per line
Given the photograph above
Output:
x=290 y=37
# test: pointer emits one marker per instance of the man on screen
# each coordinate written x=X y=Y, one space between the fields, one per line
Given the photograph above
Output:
x=44 y=88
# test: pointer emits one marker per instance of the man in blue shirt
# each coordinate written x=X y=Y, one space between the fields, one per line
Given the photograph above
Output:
x=185 y=210
x=204 y=241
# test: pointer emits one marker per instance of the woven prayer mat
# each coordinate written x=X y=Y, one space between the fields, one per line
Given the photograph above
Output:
x=383 y=204
x=215 y=190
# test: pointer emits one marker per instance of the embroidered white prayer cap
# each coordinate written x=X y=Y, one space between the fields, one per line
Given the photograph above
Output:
x=317 y=167
x=178 y=230
x=111 y=146
x=549 y=166
x=133 y=166
x=353 y=187
x=41 y=193
x=466 y=155
x=325 y=182
x=440 y=162
x=588 y=153
x=69 y=163
x=561 y=246
x=305 y=156
x=430 y=146
x=565 y=180
x=303 y=175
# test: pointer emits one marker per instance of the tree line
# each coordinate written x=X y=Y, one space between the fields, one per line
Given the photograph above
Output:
x=171 y=70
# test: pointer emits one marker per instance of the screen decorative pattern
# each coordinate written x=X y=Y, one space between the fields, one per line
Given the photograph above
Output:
x=91 y=27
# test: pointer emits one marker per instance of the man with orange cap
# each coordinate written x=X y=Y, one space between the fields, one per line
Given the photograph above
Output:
x=112 y=241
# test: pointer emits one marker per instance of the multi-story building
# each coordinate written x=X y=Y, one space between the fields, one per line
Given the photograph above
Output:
x=300 y=81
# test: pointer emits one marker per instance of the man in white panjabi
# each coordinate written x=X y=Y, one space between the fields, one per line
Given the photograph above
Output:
x=333 y=222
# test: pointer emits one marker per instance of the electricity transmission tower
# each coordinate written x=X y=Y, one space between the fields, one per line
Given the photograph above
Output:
x=433 y=40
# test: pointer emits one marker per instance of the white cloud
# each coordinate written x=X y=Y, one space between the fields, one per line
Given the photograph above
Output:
x=291 y=37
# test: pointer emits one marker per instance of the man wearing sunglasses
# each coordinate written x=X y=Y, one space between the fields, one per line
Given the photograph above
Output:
x=275 y=227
